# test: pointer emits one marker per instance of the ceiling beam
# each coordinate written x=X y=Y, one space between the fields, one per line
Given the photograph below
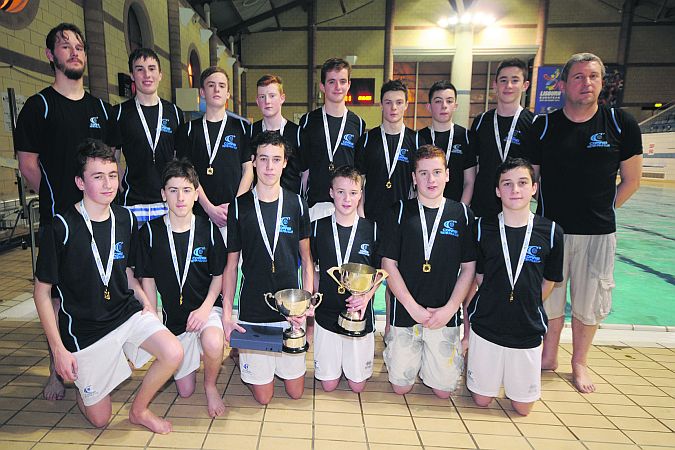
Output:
x=259 y=18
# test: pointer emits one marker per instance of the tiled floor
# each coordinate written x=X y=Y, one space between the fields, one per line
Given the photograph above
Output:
x=634 y=406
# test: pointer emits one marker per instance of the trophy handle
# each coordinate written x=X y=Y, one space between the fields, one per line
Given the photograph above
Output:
x=382 y=274
x=268 y=296
x=318 y=295
x=331 y=273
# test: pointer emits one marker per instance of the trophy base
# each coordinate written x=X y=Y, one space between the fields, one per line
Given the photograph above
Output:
x=295 y=350
x=352 y=327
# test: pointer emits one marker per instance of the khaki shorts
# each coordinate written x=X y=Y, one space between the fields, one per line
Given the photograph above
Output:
x=335 y=353
x=489 y=365
x=435 y=354
x=192 y=344
x=258 y=367
x=321 y=210
x=102 y=366
x=589 y=267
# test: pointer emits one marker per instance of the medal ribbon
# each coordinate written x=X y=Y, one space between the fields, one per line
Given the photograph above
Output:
x=261 y=224
x=429 y=242
x=158 y=130
x=523 y=250
x=281 y=129
x=107 y=273
x=448 y=150
x=391 y=166
x=174 y=257
x=214 y=152
x=350 y=243
x=326 y=132
x=505 y=153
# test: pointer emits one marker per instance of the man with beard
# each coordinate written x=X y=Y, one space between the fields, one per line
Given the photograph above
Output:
x=49 y=129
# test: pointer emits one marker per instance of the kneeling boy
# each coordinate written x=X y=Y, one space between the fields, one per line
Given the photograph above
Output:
x=102 y=321
x=269 y=227
x=429 y=252
x=335 y=240
x=182 y=256
x=520 y=256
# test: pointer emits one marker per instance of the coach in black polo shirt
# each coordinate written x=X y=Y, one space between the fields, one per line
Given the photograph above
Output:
x=578 y=153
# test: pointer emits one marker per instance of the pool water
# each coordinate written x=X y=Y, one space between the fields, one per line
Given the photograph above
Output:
x=645 y=261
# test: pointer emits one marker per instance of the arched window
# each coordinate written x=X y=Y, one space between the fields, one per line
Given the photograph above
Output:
x=137 y=25
x=194 y=69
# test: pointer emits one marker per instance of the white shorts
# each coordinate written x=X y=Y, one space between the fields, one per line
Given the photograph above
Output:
x=102 y=366
x=435 y=354
x=321 y=210
x=490 y=365
x=192 y=344
x=335 y=353
x=258 y=367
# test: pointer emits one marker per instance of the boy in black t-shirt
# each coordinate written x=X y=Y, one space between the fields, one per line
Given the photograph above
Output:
x=341 y=238
x=270 y=98
x=217 y=145
x=520 y=257
x=183 y=256
x=452 y=138
x=429 y=253
x=269 y=227
x=499 y=133
x=328 y=136
x=87 y=255
x=148 y=127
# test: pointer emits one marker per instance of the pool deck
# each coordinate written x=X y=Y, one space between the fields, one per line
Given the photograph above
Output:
x=633 y=407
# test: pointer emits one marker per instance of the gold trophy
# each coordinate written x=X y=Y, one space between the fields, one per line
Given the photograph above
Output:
x=293 y=303
x=357 y=279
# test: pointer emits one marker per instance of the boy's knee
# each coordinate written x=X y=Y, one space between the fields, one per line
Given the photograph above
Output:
x=213 y=346
x=522 y=408
x=263 y=399
x=401 y=390
x=99 y=420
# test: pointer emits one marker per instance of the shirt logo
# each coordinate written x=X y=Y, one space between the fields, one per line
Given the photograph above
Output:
x=515 y=139
x=348 y=140
x=403 y=156
x=165 y=126
x=93 y=122
x=364 y=250
x=119 y=250
x=449 y=228
x=89 y=391
x=284 y=226
x=198 y=255
x=532 y=254
x=228 y=142
x=457 y=148
x=598 y=140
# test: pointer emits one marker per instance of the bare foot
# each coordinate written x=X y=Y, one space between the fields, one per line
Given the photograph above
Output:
x=582 y=379
x=150 y=421
x=215 y=404
x=549 y=365
x=54 y=388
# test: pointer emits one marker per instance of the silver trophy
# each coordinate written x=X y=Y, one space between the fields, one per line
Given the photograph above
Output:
x=293 y=303
x=357 y=279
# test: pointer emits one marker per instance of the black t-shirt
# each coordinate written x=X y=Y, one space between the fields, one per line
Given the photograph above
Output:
x=290 y=178
x=454 y=245
x=522 y=322
x=142 y=180
x=363 y=251
x=233 y=151
x=579 y=163
x=369 y=160
x=314 y=154
x=462 y=156
x=243 y=234
x=154 y=261
x=485 y=202
x=53 y=126
x=66 y=261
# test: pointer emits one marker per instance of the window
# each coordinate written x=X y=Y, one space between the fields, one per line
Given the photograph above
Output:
x=137 y=26
x=194 y=69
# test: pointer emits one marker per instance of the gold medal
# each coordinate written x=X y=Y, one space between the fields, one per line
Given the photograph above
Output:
x=180 y=301
x=209 y=171
x=106 y=294
x=388 y=184
x=273 y=268
x=331 y=167
x=511 y=297
x=426 y=267
x=341 y=290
